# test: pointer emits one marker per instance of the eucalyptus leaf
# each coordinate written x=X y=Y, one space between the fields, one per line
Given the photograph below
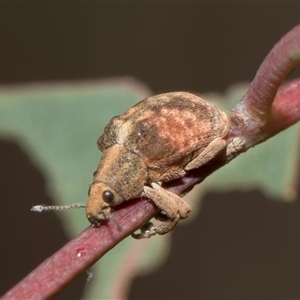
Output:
x=58 y=124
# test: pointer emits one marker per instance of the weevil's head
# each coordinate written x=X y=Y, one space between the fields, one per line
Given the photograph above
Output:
x=101 y=198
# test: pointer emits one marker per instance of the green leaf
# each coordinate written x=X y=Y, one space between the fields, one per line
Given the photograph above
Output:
x=58 y=125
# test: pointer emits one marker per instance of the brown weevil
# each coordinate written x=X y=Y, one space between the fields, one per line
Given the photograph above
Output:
x=157 y=140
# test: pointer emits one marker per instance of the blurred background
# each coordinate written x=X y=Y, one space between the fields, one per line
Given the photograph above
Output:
x=246 y=246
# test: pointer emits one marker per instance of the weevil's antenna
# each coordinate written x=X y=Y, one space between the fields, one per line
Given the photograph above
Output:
x=46 y=208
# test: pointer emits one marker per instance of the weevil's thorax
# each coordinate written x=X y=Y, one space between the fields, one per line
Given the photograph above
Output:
x=122 y=170
x=120 y=176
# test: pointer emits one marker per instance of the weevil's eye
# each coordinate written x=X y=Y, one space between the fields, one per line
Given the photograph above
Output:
x=108 y=196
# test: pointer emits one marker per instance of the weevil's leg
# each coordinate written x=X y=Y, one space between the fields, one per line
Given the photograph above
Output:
x=170 y=203
x=174 y=207
x=147 y=231
x=210 y=152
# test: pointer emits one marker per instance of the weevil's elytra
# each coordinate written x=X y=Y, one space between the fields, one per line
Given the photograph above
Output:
x=157 y=140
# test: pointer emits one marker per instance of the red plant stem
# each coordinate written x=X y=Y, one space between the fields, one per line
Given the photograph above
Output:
x=254 y=111
x=284 y=56
x=80 y=253
x=285 y=110
x=246 y=121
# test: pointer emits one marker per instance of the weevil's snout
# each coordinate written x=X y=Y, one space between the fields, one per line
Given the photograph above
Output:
x=96 y=220
x=102 y=197
x=98 y=217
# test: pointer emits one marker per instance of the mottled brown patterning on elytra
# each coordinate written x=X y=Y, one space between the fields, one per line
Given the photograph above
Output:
x=157 y=140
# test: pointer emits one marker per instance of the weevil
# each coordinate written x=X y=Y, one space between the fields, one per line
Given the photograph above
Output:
x=157 y=140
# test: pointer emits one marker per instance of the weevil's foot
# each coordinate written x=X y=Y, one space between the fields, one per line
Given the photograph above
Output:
x=147 y=231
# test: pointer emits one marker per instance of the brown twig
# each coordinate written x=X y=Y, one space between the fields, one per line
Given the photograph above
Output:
x=255 y=113
x=81 y=252
x=253 y=120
